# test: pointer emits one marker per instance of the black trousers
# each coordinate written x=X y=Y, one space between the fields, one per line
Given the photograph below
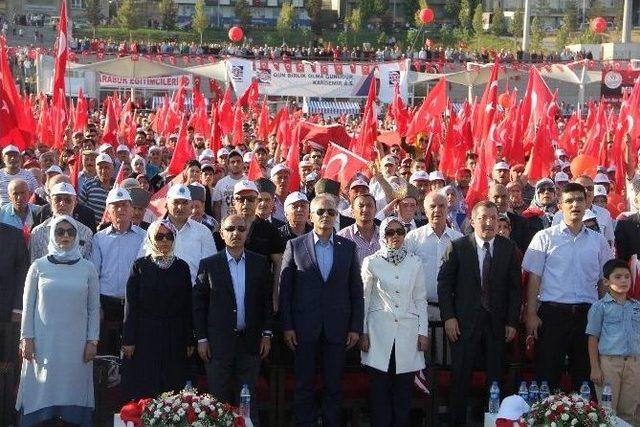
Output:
x=110 y=336
x=560 y=335
x=333 y=357
x=477 y=339
x=390 y=395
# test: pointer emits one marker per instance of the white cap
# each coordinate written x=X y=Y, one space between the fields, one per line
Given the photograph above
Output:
x=599 y=190
x=104 y=147
x=198 y=135
x=501 y=166
x=560 y=152
x=247 y=157
x=389 y=159
x=224 y=151
x=278 y=168
x=418 y=176
x=179 y=191
x=244 y=185
x=589 y=214
x=103 y=158
x=122 y=147
x=173 y=136
x=10 y=149
x=561 y=177
x=513 y=408
x=305 y=164
x=601 y=178
x=358 y=183
x=436 y=176
x=206 y=154
x=155 y=148
x=611 y=169
x=295 y=197
x=54 y=169
x=313 y=176
x=118 y=194
x=63 y=188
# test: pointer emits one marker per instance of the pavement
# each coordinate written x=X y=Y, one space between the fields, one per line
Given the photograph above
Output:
x=28 y=36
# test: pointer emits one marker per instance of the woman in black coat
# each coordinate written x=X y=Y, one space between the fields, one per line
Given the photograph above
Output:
x=157 y=332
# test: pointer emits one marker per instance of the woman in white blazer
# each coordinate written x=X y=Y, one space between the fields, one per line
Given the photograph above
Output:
x=395 y=325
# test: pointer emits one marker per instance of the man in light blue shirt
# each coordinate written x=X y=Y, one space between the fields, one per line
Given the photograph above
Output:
x=19 y=213
x=324 y=254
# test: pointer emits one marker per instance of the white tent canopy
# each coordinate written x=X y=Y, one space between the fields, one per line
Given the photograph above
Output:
x=126 y=67
x=217 y=71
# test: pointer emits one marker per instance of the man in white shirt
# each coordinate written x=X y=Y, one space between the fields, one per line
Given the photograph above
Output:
x=222 y=196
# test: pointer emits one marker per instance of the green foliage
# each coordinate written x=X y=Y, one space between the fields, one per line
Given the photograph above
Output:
x=589 y=37
x=477 y=19
x=314 y=8
x=409 y=10
x=382 y=38
x=412 y=37
x=537 y=34
x=498 y=25
x=516 y=23
x=127 y=16
x=562 y=37
x=242 y=12
x=571 y=15
x=343 y=38
x=168 y=14
x=285 y=19
x=619 y=8
x=92 y=12
x=464 y=15
x=452 y=8
x=354 y=20
x=200 y=19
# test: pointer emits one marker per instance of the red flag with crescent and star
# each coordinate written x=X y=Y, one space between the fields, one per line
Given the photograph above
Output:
x=341 y=164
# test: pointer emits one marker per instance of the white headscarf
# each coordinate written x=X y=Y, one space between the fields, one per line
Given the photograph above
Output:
x=150 y=248
x=135 y=159
x=394 y=256
x=63 y=255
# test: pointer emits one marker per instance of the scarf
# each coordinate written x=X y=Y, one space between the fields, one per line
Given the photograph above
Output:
x=394 y=256
x=54 y=250
x=150 y=249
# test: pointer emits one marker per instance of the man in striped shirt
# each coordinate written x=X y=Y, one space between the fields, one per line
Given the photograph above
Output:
x=13 y=170
x=93 y=193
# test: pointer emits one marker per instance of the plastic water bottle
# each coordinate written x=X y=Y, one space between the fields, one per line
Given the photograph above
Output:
x=585 y=391
x=523 y=392
x=188 y=386
x=534 y=393
x=494 y=398
x=606 y=398
x=544 y=390
x=245 y=401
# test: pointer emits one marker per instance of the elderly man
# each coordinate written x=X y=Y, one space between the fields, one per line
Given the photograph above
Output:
x=80 y=213
x=19 y=212
x=94 y=192
x=322 y=310
x=364 y=232
x=281 y=177
x=13 y=170
x=63 y=202
x=296 y=209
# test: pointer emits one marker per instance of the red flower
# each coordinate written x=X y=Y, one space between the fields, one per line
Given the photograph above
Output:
x=239 y=422
x=191 y=415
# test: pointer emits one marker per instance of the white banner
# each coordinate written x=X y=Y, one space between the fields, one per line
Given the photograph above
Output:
x=153 y=83
x=390 y=75
x=239 y=73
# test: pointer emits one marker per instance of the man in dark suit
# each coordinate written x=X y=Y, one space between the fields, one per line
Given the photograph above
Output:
x=627 y=235
x=479 y=296
x=322 y=309
x=232 y=311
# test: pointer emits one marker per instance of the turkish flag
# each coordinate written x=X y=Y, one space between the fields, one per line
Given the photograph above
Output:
x=542 y=155
x=262 y=131
x=238 y=130
x=182 y=153
x=299 y=67
x=110 y=131
x=488 y=105
x=432 y=106
x=250 y=96
x=255 y=171
x=479 y=182
x=536 y=98
x=341 y=164
x=158 y=202
x=216 y=132
x=62 y=55
x=293 y=159
x=226 y=112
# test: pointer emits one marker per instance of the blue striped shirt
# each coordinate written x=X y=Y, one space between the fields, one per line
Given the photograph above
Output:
x=94 y=196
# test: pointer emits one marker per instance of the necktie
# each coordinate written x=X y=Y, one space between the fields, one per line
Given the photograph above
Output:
x=486 y=274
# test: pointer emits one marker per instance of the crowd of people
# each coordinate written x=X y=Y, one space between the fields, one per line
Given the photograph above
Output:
x=215 y=267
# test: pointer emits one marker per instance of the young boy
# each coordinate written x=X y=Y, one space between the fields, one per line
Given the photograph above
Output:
x=613 y=327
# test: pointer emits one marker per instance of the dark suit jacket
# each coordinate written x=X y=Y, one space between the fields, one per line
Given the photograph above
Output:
x=81 y=213
x=14 y=263
x=214 y=302
x=311 y=306
x=519 y=231
x=627 y=235
x=459 y=284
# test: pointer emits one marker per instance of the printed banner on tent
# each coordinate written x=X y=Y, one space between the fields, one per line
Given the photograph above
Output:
x=392 y=74
x=158 y=83
x=239 y=74
x=616 y=83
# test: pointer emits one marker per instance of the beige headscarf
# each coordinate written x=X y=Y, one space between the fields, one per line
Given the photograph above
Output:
x=150 y=248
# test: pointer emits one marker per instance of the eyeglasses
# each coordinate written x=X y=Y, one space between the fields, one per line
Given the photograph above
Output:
x=546 y=190
x=164 y=236
x=390 y=232
x=71 y=232
x=242 y=199
x=238 y=228
x=330 y=212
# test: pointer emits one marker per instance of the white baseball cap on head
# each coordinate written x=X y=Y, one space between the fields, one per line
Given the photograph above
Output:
x=10 y=149
x=103 y=158
x=62 y=188
x=54 y=169
x=601 y=178
x=501 y=166
x=247 y=157
x=224 y=151
x=118 y=194
x=418 y=176
x=122 y=148
x=245 y=185
x=561 y=177
x=179 y=192
x=206 y=154
x=278 y=168
x=359 y=183
x=104 y=147
x=599 y=190
x=436 y=176
x=560 y=152
x=388 y=160
x=295 y=197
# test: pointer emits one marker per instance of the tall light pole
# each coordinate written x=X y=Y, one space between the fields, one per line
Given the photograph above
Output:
x=626 y=22
x=525 y=26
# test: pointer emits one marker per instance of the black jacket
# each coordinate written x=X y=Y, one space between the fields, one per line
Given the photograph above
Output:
x=627 y=237
x=14 y=263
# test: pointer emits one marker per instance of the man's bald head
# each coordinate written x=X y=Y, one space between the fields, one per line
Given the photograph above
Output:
x=19 y=194
x=17 y=184
x=499 y=195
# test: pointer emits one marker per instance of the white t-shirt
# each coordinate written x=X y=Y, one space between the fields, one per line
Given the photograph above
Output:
x=223 y=192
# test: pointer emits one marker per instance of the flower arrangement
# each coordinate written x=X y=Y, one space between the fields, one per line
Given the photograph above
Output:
x=182 y=409
x=563 y=410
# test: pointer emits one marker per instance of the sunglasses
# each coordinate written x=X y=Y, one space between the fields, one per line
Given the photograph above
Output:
x=164 y=236
x=238 y=228
x=390 y=232
x=71 y=232
x=242 y=199
x=546 y=190
x=330 y=212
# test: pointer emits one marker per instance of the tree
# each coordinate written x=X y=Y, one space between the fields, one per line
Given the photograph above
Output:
x=409 y=9
x=367 y=9
x=464 y=16
x=242 y=12
x=537 y=34
x=285 y=19
x=200 y=19
x=452 y=8
x=562 y=37
x=354 y=20
x=571 y=14
x=127 y=15
x=478 y=25
x=498 y=25
x=516 y=24
x=314 y=9
x=93 y=13
x=168 y=14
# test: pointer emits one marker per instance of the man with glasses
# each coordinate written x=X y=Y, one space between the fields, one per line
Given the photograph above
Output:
x=322 y=310
x=80 y=213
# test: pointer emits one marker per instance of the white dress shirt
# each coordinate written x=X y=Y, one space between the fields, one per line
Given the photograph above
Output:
x=237 y=270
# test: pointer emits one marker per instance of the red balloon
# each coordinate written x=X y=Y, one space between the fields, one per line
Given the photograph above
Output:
x=584 y=165
x=504 y=100
x=235 y=34
x=599 y=25
x=426 y=15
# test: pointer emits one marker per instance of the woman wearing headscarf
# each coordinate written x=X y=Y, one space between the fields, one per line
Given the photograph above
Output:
x=138 y=166
x=395 y=325
x=456 y=218
x=157 y=330
x=59 y=333
x=543 y=206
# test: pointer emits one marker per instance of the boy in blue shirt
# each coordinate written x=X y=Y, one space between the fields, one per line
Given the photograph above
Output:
x=613 y=326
